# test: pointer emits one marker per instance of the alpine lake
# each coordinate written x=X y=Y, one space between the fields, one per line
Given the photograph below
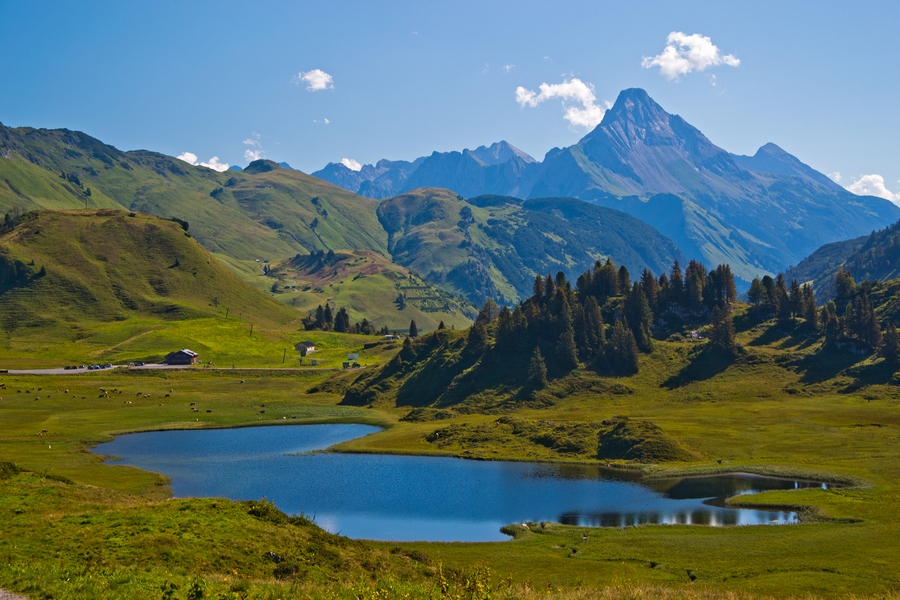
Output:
x=407 y=498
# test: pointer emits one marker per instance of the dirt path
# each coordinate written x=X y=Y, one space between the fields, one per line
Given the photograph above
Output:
x=4 y=595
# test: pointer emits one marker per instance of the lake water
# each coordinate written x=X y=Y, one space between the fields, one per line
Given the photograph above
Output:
x=387 y=497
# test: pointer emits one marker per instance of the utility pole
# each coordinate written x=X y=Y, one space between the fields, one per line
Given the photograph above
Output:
x=251 y=329
x=284 y=356
x=226 y=312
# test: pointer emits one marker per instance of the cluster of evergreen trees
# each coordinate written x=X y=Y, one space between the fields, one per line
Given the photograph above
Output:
x=559 y=326
x=326 y=319
x=850 y=318
x=774 y=298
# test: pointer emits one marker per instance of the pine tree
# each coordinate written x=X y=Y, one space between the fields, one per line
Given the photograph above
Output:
x=538 y=288
x=651 y=289
x=623 y=280
x=640 y=317
x=477 y=342
x=342 y=321
x=721 y=334
x=890 y=348
x=537 y=370
x=756 y=293
x=413 y=329
x=487 y=313
x=676 y=285
x=441 y=325
x=566 y=352
x=329 y=318
x=622 y=351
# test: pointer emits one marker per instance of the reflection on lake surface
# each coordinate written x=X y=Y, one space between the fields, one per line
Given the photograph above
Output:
x=391 y=497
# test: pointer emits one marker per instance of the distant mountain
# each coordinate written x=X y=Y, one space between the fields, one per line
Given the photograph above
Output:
x=494 y=169
x=493 y=246
x=262 y=211
x=873 y=257
x=758 y=213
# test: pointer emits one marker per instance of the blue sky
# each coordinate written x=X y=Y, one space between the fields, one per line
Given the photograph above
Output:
x=820 y=79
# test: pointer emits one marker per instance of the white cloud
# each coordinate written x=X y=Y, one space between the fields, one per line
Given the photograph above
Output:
x=315 y=80
x=214 y=163
x=327 y=121
x=252 y=155
x=873 y=185
x=577 y=97
x=253 y=141
x=323 y=121
x=835 y=177
x=351 y=164
x=686 y=53
x=509 y=67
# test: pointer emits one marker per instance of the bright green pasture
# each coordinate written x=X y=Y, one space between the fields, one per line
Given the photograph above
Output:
x=777 y=409
x=222 y=342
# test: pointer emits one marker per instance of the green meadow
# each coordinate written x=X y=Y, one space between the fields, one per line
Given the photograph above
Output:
x=75 y=527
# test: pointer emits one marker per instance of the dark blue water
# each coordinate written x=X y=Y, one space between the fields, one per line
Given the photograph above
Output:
x=389 y=497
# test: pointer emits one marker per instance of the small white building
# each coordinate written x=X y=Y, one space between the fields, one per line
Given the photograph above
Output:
x=353 y=356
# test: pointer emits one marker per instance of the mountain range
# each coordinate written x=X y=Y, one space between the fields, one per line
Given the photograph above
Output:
x=758 y=213
x=489 y=247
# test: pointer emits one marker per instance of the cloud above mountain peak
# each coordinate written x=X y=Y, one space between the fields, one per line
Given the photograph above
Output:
x=577 y=97
x=684 y=54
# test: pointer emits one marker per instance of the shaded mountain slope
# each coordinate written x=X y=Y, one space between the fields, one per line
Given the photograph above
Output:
x=870 y=257
x=757 y=213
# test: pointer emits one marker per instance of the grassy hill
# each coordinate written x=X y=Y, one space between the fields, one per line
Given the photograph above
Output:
x=369 y=286
x=493 y=246
x=86 y=285
x=263 y=211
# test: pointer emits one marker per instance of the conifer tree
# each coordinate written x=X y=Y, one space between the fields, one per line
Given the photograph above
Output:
x=721 y=334
x=413 y=329
x=676 y=285
x=651 y=289
x=441 y=325
x=890 y=348
x=756 y=293
x=622 y=350
x=477 y=341
x=566 y=352
x=640 y=317
x=342 y=321
x=623 y=280
x=537 y=370
x=538 y=288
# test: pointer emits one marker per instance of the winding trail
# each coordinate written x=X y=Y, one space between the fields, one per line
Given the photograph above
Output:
x=4 y=595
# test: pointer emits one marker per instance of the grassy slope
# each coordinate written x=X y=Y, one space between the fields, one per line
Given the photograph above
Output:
x=367 y=285
x=504 y=243
x=120 y=287
x=264 y=212
x=775 y=410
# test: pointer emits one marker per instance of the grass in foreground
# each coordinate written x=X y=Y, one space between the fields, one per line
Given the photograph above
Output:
x=772 y=412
